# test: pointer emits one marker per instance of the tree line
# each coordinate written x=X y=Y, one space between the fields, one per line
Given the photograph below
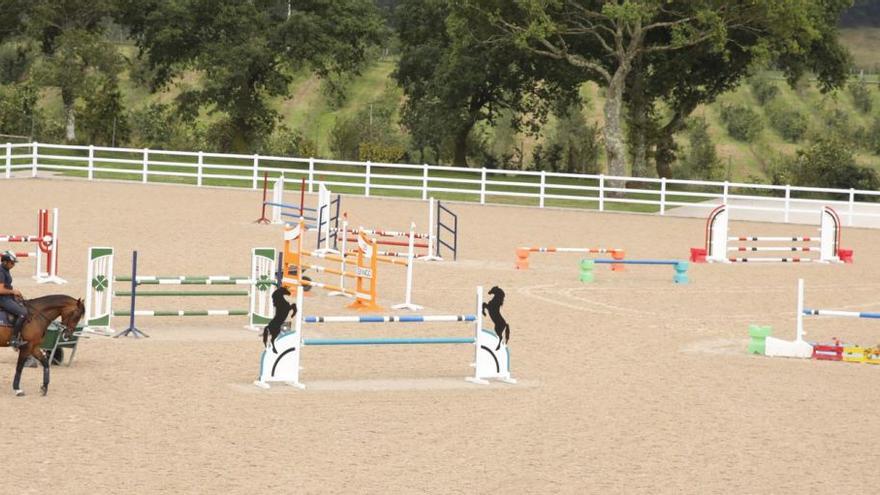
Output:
x=460 y=66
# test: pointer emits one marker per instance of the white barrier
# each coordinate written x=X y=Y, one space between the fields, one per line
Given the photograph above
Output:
x=283 y=363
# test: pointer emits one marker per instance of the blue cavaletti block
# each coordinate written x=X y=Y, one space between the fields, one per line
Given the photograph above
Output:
x=681 y=275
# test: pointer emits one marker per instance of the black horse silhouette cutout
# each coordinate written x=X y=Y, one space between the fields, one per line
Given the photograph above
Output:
x=494 y=307
x=282 y=309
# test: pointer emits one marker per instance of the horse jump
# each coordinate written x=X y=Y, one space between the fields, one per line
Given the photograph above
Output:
x=100 y=293
x=800 y=348
x=365 y=272
x=284 y=365
x=441 y=234
x=388 y=257
x=321 y=218
x=522 y=254
x=680 y=267
x=716 y=248
x=46 y=246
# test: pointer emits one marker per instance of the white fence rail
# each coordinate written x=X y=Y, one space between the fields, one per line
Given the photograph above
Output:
x=542 y=189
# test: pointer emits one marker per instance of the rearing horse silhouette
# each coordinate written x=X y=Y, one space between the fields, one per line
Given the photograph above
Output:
x=41 y=312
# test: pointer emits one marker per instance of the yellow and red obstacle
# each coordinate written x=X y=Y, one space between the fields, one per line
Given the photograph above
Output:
x=763 y=343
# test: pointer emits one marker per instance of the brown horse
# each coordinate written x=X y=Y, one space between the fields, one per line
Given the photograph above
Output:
x=41 y=312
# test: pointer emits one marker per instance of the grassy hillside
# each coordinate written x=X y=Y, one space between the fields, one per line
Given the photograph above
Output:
x=310 y=110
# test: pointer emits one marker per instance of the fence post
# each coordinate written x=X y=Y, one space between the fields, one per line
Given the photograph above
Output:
x=424 y=181
x=8 y=160
x=256 y=176
x=199 y=169
x=662 y=195
x=367 y=182
x=91 y=161
x=483 y=186
x=601 y=192
x=726 y=191
x=146 y=162
x=541 y=193
x=787 y=202
x=852 y=200
x=311 y=173
x=36 y=152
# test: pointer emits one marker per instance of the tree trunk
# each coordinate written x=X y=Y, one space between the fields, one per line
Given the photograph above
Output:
x=69 y=101
x=459 y=158
x=638 y=118
x=615 y=152
x=665 y=155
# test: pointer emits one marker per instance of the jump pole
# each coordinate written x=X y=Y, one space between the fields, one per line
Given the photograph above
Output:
x=263 y=219
x=384 y=257
x=284 y=366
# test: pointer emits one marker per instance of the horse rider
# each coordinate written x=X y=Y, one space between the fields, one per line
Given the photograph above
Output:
x=9 y=298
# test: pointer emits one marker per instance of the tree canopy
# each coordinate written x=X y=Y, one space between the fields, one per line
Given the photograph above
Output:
x=245 y=52
x=612 y=42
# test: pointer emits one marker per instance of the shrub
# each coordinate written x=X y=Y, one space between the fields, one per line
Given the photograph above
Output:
x=103 y=120
x=763 y=90
x=872 y=137
x=790 y=124
x=574 y=145
x=287 y=142
x=14 y=62
x=743 y=123
x=19 y=114
x=700 y=161
x=827 y=163
x=861 y=96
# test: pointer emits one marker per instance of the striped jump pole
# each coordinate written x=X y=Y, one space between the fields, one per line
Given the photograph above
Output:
x=364 y=272
x=320 y=218
x=522 y=254
x=387 y=257
x=282 y=363
x=442 y=233
x=100 y=292
x=46 y=252
x=718 y=243
x=680 y=267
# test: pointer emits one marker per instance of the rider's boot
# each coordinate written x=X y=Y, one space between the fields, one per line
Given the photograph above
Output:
x=15 y=341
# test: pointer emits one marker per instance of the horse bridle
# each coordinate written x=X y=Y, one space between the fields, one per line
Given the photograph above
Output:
x=36 y=312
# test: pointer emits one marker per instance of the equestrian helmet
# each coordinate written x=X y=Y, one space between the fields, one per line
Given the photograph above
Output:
x=9 y=256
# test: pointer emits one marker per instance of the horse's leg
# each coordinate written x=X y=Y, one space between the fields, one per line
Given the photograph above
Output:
x=499 y=331
x=22 y=357
x=506 y=334
x=41 y=357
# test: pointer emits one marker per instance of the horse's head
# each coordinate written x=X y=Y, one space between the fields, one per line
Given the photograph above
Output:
x=497 y=292
x=70 y=316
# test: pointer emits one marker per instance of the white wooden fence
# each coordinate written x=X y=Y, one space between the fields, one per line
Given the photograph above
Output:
x=542 y=189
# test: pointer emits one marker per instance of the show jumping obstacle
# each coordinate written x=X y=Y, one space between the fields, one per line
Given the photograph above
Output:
x=800 y=348
x=680 y=267
x=716 y=248
x=322 y=218
x=364 y=273
x=389 y=257
x=100 y=293
x=428 y=245
x=284 y=365
x=522 y=254
x=46 y=246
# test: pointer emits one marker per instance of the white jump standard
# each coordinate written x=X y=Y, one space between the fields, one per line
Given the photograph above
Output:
x=100 y=293
x=284 y=365
x=718 y=242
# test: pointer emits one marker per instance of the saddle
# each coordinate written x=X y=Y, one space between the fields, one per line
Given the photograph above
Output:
x=6 y=319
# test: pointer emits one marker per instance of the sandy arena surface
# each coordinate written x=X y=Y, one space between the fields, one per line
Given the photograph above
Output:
x=627 y=385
